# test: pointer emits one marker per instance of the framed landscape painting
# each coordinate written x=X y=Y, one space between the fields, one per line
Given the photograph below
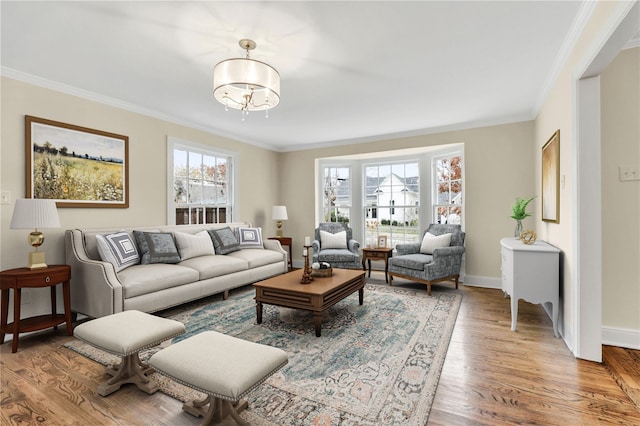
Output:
x=76 y=166
x=551 y=179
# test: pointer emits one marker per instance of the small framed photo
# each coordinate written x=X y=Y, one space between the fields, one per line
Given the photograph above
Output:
x=382 y=242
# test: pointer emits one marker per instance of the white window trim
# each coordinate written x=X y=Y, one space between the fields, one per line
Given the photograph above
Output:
x=434 y=180
x=357 y=164
x=173 y=143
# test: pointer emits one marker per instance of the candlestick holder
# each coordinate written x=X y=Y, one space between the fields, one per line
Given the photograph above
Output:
x=306 y=273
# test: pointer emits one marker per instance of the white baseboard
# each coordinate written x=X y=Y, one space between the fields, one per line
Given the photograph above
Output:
x=486 y=282
x=622 y=337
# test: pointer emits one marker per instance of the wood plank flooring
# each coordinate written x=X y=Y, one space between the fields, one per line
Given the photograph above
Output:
x=491 y=376
x=624 y=366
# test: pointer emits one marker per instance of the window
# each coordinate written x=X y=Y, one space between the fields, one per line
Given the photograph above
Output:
x=336 y=190
x=392 y=200
x=391 y=194
x=201 y=185
x=447 y=203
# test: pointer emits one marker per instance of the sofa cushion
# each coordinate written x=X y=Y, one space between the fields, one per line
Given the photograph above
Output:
x=157 y=247
x=143 y=279
x=216 y=265
x=431 y=242
x=257 y=258
x=224 y=240
x=416 y=261
x=250 y=238
x=118 y=249
x=196 y=245
x=333 y=241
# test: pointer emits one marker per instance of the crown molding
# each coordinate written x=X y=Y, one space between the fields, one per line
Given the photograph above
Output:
x=577 y=27
x=118 y=103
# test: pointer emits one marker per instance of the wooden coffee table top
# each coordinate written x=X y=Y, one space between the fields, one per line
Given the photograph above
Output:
x=317 y=296
x=320 y=285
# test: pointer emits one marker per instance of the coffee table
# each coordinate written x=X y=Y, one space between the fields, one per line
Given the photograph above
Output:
x=323 y=292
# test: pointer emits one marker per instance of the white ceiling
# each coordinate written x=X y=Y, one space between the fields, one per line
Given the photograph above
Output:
x=351 y=71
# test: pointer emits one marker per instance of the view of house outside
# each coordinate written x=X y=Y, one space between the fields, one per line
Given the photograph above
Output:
x=392 y=194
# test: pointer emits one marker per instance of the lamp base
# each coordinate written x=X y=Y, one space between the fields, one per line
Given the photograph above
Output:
x=36 y=260
x=279 y=233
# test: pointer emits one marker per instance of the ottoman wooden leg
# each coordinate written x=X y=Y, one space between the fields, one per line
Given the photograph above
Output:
x=129 y=370
x=218 y=409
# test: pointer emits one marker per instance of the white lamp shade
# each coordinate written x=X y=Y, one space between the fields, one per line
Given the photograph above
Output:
x=279 y=213
x=234 y=79
x=30 y=213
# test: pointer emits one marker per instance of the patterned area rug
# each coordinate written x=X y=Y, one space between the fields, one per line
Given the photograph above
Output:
x=374 y=364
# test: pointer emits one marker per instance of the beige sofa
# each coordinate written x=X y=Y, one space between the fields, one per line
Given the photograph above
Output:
x=98 y=290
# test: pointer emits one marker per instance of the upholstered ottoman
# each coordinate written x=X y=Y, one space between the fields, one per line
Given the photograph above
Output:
x=223 y=367
x=125 y=334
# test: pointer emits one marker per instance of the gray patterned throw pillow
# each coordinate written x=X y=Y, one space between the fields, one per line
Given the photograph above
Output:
x=156 y=247
x=224 y=240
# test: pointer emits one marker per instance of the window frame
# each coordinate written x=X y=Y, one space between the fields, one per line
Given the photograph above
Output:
x=435 y=204
x=192 y=147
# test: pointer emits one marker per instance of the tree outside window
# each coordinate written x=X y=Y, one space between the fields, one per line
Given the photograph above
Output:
x=337 y=194
x=448 y=190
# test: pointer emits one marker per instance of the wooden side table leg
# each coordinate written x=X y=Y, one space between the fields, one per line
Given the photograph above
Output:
x=16 y=319
x=5 y=314
x=66 y=293
x=386 y=270
x=54 y=302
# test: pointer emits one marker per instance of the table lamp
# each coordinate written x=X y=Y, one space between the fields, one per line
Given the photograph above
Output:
x=30 y=213
x=279 y=213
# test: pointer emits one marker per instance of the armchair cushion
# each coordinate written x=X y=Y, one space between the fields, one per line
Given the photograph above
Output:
x=333 y=241
x=416 y=261
x=431 y=242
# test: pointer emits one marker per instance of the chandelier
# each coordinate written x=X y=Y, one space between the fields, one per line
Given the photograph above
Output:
x=246 y=84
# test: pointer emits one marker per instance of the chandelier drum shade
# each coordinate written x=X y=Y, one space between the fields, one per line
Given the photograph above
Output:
x=246 y=84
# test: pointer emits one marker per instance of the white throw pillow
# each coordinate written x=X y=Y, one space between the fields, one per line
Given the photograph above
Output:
x=333 y=241
x=118 y=249
x=196 y=245
x=431 y=242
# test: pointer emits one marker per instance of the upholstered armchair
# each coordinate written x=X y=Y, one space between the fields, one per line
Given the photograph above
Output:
x=436 y=258
x=334 y=244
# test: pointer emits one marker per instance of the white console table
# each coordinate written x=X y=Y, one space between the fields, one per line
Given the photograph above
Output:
x=531 y=272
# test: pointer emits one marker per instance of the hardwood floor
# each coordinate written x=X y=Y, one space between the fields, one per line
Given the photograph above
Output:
x=491 y=376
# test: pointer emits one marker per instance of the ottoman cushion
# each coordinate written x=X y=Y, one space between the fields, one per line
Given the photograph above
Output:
x=128 y=332
x=219 y=365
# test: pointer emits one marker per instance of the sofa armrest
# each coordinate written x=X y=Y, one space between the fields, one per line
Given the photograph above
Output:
x=353 y=246
x=276 y=246
x=409 y=248
x=96 y=290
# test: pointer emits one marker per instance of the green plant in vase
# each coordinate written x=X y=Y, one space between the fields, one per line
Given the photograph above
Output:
x=519 y=210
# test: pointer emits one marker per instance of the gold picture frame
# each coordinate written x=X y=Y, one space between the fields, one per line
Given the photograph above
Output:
x=551 y=179
x=382 y=242
x=76 y=166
